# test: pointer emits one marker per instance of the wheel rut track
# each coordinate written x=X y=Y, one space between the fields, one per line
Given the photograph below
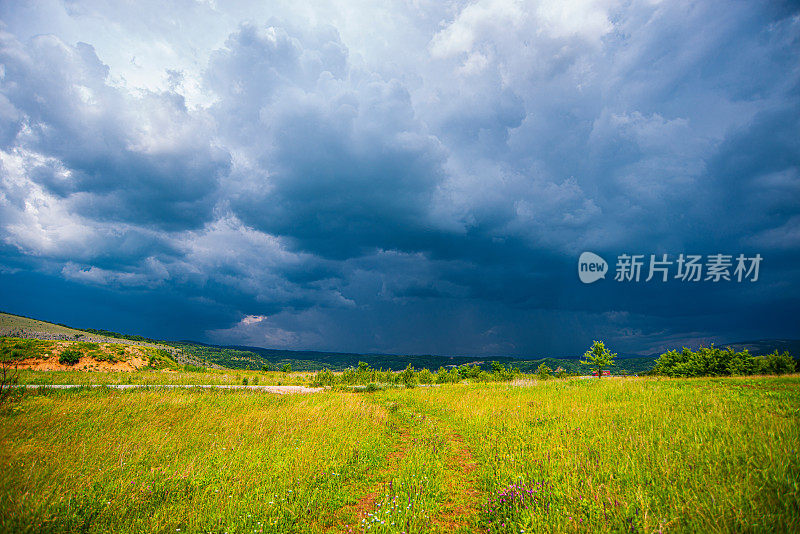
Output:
x=459 y=514
x=367 y=502
x=459 y=509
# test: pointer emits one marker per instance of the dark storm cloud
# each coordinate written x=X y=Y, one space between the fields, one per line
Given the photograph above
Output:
x=347 y=169
x=424 y=187
x=142 y=159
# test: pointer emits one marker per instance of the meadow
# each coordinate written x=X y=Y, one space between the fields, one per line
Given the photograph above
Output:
x=571 y=455
x=152 y=377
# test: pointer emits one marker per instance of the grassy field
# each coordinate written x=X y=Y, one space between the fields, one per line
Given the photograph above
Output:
x=634 y=455
x=165 y=377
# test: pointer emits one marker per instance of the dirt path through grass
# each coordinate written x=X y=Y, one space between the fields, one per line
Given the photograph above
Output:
x=460 y=510
x=431 y=483
x=366 y=504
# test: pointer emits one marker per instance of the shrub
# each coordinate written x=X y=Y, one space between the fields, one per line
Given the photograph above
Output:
x=469 y=371
x=69 y=357
x=363 y=374
x=162 y=359
x=443 y=376
x=778 y=364
x=102 y=357
x=501 y=373
x=349 y=376
x=543 y=372
x=408 y=377
x=463 y=369
x=561 y=373
x=287 y=368
x=454 y=375
x=711 y=361
x=425 y=377
x=244 y=381
x=741 y=363
x=323 y=378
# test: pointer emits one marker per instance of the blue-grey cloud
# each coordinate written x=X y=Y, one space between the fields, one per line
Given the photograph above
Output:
x=113 y=156
x=325 y=179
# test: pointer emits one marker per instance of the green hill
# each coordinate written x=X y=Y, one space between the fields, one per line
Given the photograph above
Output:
x=243 y=357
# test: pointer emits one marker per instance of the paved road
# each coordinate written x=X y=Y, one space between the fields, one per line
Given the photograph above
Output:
x=280 y=390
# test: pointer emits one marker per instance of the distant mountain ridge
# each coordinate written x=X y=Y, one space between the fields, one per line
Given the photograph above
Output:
x=761 y=347
x=239 y=356
x=247 y=357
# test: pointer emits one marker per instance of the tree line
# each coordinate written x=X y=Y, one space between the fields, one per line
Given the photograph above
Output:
x=713 y=361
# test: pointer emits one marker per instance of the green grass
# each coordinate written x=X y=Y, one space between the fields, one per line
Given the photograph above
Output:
x=634 y=455
x=155 y=377
x=146 y=461
x=20 y=349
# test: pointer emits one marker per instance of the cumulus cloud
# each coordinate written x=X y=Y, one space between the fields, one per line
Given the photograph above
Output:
x=112 y=155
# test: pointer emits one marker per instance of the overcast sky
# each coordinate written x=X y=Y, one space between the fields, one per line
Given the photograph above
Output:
x=401 y=177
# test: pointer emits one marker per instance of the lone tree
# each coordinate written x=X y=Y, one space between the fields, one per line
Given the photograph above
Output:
x=599 y=357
